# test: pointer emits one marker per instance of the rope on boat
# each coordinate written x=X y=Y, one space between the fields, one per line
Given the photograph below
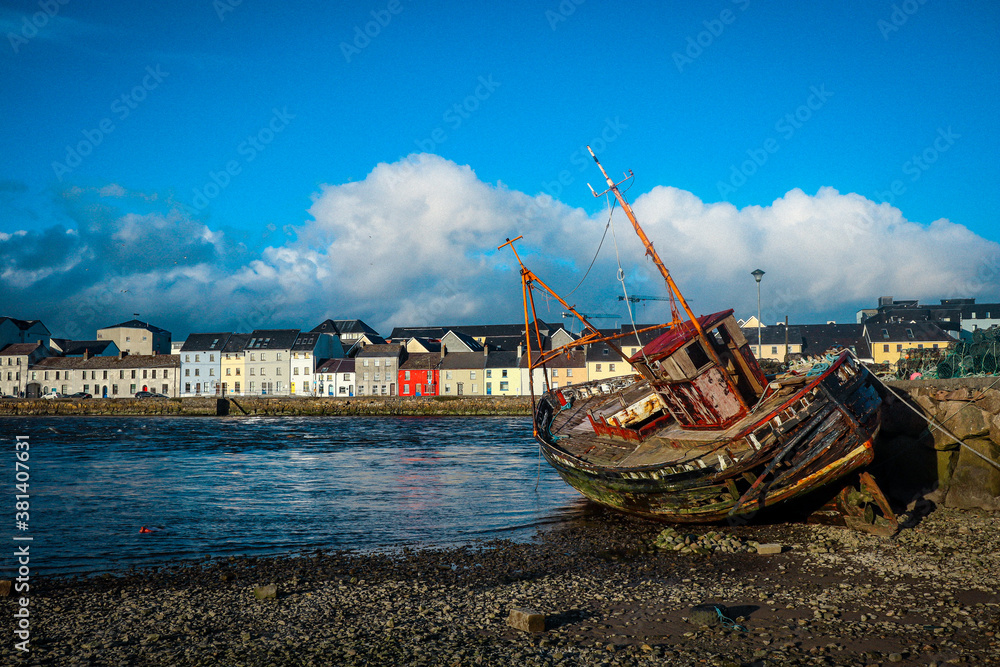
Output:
x=599 y=246
x=930 y=420
x=621 y=279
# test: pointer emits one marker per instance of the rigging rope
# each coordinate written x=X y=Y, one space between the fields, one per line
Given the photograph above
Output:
x=604 y=236
x=621 y=279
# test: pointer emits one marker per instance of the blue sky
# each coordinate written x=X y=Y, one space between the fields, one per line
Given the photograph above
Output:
x=239 y=165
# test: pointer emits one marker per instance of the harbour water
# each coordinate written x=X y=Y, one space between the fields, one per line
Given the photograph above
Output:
x=216 y=487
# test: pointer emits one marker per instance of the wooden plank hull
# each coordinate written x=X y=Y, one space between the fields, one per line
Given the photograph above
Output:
x=805 y=438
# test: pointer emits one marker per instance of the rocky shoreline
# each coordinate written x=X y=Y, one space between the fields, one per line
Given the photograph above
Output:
x=610 y=596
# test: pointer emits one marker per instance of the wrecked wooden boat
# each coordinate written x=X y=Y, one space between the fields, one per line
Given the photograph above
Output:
x=697 y=434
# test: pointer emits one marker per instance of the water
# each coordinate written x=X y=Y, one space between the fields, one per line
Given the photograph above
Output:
x=271 y=486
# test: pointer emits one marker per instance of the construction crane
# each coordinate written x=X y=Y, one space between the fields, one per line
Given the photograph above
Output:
x=594 y=316
x=636 y=298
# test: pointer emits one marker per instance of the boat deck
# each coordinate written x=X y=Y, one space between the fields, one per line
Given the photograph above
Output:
x=669 y=445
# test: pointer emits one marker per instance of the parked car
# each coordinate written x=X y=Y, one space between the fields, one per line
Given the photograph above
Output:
x=148 y=394
x=81 y=394
x=53 y=395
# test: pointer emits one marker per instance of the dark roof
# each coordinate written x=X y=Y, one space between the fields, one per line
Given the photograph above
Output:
x=96 y=363
x=272 y=339
x=383 y=350
x=20 y=349
x=343 y=327
x=429 y=344
x=901 y=333
x=306 y=341
x=485 y=331
x=464 y=360
x=206 y=342
x=502 y=359
x=470 y=342
x=336 y=366
x=136 y=324
x=673 y=339
x=421 y=361
x=23 y=325
x=76 y=348
x=819 y=338
x=602 y=352
x=237 y=342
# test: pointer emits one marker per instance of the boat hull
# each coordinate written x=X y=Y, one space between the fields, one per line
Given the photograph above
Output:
x=814 y=439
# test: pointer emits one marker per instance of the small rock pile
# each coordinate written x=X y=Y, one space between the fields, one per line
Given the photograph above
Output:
x=670 y=540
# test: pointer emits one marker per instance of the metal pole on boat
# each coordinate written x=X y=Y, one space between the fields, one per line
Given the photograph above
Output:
x=757 y=275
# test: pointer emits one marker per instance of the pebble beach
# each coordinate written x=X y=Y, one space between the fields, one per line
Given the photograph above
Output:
x=613 y=591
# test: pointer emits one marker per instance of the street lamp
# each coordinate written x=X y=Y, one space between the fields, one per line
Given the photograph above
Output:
x=757 y=275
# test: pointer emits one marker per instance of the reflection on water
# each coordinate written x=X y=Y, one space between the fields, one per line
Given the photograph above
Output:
x=269 y=485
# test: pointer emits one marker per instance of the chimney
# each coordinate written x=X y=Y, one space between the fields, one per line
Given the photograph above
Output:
x=520 y=351
x=86 y=353
x=486 y=350
x=443 y=347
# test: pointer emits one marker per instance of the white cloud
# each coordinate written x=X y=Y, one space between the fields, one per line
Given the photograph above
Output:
x=415 y=243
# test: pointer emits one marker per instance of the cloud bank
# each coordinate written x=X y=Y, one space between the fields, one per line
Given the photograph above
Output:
x=415 y=242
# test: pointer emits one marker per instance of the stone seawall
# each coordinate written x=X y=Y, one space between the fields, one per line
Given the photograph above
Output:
x=430 y=406
x=912 y=455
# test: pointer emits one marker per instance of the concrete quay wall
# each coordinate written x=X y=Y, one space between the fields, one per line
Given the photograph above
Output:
x=281 y=406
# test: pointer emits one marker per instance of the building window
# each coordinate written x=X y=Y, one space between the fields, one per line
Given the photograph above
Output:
x=447 y=375
x=133 y=374
x=251 y=357
x=277 y=356
x=774 y=349
x=187 y=387
x=197 y=358
x=262 y=356
x=131 y=388
x=197 y=372
x=503 y=373
x=406 y=376
x=406 y=390
x=237 y=387
x=503 y=386
x=885 y=348
x=611 y=367
x=569 y=372
x=229 y=371
x=277 y=371
x=164 y=373
x=237 y=370
x=472 y=376
x=555 y=372
x=899 y=347
x=211 y=372
x=187 y=372
x=145 y=373
x=489 y=372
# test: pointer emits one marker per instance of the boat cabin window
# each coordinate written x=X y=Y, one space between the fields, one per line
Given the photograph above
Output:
x=697 y=355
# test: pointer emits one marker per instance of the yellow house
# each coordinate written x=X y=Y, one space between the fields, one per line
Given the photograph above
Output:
x=234 y=365
x=889 y=342
x=503 y=374
x=603 y=362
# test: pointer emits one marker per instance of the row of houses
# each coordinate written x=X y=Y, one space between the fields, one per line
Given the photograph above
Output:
x=348 y=358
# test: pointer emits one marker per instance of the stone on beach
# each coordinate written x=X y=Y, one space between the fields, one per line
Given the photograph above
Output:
x=266 y=592
x=528 y=620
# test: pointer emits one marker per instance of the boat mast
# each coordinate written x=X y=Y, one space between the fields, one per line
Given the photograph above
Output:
x=671 y=285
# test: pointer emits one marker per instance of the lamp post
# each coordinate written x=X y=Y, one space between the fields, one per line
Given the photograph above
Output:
x=757 y=275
